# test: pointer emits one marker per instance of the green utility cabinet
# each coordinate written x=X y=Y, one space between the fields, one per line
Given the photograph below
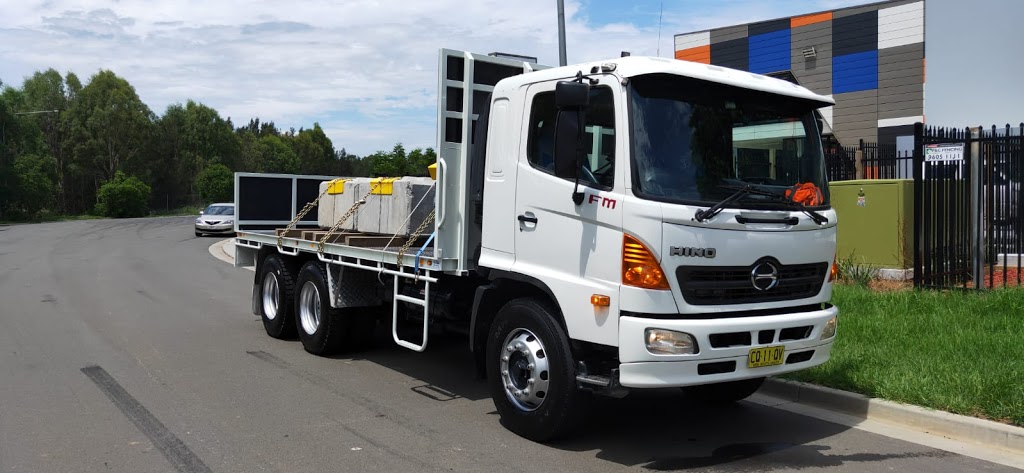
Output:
x=876 y=221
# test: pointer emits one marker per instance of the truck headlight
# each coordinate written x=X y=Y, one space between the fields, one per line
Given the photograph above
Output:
x=668 y=342
x=829 y=330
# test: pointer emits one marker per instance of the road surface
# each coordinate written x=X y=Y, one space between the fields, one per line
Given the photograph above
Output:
x=124 y=346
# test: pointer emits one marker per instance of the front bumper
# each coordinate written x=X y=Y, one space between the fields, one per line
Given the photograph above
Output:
x=641 y=369
x=219 y=228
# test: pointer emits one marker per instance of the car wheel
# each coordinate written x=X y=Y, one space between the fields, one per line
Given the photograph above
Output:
x=531 y=374
x=277 y=289
x=199 y=234
x=724 y=393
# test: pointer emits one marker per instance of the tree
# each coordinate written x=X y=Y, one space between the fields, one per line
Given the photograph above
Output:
x=398 y=163
x=109 y=123
x=314 y=150
x=350 y=165
x=34 y=190
x=388 y=164
x=51 y=94
x=419 y=160
x=216 y=183
x=123 y=196
x=275 y=156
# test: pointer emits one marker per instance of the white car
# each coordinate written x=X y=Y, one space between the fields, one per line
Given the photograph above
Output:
x=217 y=218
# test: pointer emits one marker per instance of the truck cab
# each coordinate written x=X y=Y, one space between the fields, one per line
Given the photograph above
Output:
x=688 y=241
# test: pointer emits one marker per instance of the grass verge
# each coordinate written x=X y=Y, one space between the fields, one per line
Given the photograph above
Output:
x=957 y=351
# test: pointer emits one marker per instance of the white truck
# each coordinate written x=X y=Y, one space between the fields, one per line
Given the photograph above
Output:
x=633 y=223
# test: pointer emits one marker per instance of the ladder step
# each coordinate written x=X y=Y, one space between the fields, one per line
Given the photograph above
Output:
x=411 y=300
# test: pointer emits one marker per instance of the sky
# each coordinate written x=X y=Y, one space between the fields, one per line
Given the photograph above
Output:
x=365 y=70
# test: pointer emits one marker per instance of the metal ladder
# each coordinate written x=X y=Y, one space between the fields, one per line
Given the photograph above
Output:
x=424 y=303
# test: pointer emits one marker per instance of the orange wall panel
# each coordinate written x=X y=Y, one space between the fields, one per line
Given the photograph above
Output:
x=809 y=19
x=701 y=54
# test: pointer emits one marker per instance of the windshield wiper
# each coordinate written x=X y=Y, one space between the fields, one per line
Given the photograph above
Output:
x=817 y=217
x=703 y=215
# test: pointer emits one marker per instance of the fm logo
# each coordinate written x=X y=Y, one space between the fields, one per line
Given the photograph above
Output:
x=602 y=201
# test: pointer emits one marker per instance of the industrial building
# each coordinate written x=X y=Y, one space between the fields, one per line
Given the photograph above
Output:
x=870 y=59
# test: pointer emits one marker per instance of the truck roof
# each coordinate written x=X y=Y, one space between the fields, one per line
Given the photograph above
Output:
x=633 y=66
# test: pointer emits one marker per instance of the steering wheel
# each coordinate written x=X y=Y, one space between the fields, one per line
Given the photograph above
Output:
x=586 y=174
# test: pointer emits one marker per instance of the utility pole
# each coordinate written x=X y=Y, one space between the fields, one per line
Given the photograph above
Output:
x=561 y=33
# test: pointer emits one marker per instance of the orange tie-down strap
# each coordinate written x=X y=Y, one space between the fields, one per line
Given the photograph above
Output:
x=806 y=193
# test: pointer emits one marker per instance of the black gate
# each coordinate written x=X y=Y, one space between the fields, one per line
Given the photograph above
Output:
x=967 y=201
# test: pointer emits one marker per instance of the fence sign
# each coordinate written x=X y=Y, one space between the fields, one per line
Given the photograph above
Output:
x=944 y=152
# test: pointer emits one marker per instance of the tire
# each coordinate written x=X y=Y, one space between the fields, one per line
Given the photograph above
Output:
x=724 y=393
x=199 y=234
x=277 y=291
x=322 y=330
x=531 y=374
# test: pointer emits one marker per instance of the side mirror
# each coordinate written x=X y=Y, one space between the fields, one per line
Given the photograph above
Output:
x=572 y=95
x=571 y=98
x=567 y=142
x=200 y=211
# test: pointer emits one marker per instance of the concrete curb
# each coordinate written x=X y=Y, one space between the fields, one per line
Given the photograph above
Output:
x=953 y=426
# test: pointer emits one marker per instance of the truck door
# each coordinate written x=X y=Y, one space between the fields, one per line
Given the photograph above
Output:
x=574 y=250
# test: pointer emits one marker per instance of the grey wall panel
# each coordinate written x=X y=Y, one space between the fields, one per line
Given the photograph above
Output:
x=904 y=76
x=855 y=33
x=728 y=33
x=732 y=53
x=768 y=26
x=900 y=54
x=905 y=109
x=897 y=90
x=856 y=99
x=855 y=116
x=814 y=73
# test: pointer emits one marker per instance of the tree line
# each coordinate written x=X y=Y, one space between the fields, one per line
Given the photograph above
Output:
x=68 y=149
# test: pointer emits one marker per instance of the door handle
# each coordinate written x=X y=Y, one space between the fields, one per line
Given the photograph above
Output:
x=527 y=219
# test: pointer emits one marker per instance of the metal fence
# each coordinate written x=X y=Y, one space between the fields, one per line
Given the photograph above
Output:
x=967 y=201
x=867 y=161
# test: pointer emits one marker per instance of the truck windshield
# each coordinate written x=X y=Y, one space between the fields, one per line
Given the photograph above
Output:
x=694 y=141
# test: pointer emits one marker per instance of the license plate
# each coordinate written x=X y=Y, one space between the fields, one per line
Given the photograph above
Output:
x=766 y=356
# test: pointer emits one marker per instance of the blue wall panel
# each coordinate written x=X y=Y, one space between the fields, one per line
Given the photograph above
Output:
x=770 y=52
x=855 y=72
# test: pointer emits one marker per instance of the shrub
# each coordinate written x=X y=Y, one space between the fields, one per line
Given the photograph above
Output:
x=216 y=184
x=124 y=196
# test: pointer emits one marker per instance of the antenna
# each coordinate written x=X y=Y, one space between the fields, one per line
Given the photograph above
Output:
x=661 y=12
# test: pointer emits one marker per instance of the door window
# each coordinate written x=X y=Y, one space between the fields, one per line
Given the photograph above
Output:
x=598 y=168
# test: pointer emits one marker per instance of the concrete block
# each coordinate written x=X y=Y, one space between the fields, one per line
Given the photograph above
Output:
x=396 y=213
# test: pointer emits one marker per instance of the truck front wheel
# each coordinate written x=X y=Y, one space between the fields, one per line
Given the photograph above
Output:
x=531 y=374
x=724 y=393
x=277 y=286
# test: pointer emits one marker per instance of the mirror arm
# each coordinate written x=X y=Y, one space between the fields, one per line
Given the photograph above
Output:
x=577 y=196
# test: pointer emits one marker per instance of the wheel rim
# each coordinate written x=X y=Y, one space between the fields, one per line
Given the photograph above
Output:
x=271 y=295
x=524 y=369
x=309 y=307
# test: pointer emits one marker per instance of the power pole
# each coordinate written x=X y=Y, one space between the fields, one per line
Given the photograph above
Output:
x=561 y=33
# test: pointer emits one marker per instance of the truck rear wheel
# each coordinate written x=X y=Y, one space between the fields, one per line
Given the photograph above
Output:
x=531 y=374
x=322 y=330
x=724 y=393
x=277 y=287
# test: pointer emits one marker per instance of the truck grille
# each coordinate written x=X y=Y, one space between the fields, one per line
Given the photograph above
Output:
x=724 y=285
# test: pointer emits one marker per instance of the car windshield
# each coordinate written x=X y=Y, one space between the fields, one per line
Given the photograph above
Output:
x=695 y=142
x=219 y=210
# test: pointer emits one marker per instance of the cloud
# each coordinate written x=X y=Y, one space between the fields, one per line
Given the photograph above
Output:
x=365 y=69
